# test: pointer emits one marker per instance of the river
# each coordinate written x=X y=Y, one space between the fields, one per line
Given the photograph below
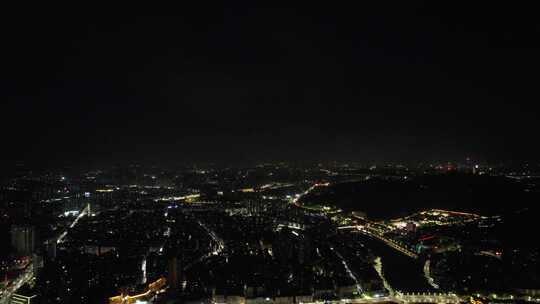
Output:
x=403 y=273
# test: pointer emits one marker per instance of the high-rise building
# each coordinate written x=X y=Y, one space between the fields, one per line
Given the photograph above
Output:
x=50 y=248
x=173 y=273
x=23 y=239
x=37 y=263
x=410 y=227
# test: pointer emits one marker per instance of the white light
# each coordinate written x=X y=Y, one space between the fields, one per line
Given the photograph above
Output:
x=72 y=213
x=143 y=268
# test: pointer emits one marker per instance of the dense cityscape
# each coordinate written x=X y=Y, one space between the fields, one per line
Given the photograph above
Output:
x=249 y=152
x=270 y=233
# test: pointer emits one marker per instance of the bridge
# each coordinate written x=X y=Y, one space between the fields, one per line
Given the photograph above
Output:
x=377 y=231
x=390 y=242
x=427 y=297
x=403 y=298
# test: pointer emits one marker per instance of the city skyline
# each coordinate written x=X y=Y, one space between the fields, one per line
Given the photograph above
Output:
x=271 y=233
x=245 y=153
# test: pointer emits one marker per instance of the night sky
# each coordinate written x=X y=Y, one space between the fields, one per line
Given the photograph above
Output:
x=404 y=82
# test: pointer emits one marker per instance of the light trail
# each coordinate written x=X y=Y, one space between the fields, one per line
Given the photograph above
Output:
x=295 y=200
x=23 y=278
x=82 y=214
x=349 y=272
x=385 y=240
x=427 y=275
x=378 y=267
x=219 y=241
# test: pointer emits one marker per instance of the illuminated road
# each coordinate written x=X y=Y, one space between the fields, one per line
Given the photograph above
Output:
x=82 y=214
x=375 y=230
x=295 y=200
x=27 y=275
x=218 y=240
x=24 y=277
x=378 y=267
x=380 y=237
x=427 y=275
x=153 y=289
x=349 y=272
x=447 y=298
x=428 y=298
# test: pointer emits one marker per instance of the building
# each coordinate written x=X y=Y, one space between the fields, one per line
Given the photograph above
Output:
x=410 y=227
x=22 y=299
x=23 y=239
x=173 y=274
x=37 y=263
x=50 y=248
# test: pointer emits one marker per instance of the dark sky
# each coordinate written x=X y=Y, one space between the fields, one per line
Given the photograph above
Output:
x=394 y=82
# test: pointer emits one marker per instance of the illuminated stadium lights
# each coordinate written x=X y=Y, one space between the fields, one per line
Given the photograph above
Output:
x=104 y=190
